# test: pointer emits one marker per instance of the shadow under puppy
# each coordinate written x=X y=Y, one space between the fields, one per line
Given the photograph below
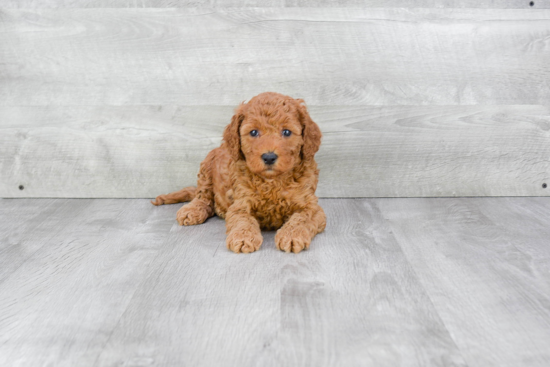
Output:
x=262 y=176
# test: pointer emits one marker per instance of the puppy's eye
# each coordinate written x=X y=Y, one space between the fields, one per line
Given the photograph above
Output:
x=287 y=132
x=254 y=133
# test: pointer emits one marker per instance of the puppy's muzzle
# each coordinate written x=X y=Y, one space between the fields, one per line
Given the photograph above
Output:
x=269 y=158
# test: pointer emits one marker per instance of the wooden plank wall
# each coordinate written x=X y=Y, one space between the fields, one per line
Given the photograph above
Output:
x=106 y=98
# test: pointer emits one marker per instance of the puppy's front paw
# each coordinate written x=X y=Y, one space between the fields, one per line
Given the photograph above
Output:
x=190 y=214
x=292 y=239
x=244 y=241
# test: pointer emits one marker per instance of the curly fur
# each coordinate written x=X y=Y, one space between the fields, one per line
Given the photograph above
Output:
x=235 y=183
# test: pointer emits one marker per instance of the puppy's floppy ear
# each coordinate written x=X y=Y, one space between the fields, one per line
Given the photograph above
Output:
x=310 y=132
x=231 y=134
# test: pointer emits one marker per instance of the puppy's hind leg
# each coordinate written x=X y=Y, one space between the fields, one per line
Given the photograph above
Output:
x=186 y=194
x=202 y=206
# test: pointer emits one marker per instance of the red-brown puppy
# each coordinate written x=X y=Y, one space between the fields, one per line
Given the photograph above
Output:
x=262 y=176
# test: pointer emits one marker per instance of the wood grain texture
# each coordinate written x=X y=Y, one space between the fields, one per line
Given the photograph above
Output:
x=329 y=56
x=26 y=227
x=345 y=302
x=123 y=284
x=392 y=282
x=403 y=151
x=486 y=266
x=59 y=305
x=413 y=102
x=60 y=4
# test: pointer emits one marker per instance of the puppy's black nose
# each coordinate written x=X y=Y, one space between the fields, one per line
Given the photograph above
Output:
x=269 y=158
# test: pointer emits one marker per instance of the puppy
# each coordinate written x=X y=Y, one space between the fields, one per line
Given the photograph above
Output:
x=263 y=176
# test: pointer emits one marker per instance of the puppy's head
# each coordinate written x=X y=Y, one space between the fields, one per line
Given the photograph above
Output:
x=273 y=133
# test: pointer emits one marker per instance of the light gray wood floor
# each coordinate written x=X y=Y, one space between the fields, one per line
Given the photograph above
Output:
x=391 y=282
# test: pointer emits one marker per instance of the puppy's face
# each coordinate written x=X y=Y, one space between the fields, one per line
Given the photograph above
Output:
x=271 y=139
x=273 y=133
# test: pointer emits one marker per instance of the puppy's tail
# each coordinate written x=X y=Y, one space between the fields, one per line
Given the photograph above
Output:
x=186 y=194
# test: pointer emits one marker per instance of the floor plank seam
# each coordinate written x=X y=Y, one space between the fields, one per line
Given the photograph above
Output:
x=428 y=295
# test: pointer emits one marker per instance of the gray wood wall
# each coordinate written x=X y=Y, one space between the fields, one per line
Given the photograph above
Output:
x=106 y=98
